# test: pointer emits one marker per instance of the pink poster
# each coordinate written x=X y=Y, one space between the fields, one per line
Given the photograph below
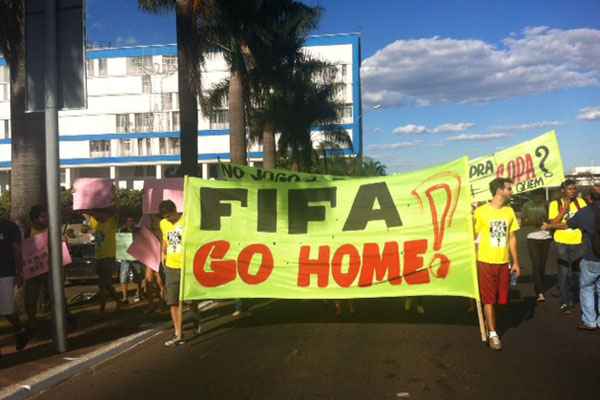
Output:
x=146 y=248
x=89 y=193
x=35 y=255
x=157 y=190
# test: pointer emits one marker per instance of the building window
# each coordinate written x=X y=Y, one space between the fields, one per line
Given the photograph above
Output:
x=175 y=124
x=162 y=121
x=167 y=101
x=4 y=129
x=169 y=64
x=122 y=123
x=169 y=146
x=144 y=147
x=144 y=122
x=126 y=147
x=344 y=71
x=102 y=67
x=99 y=148
x=219 y=119
x=345 y=112
x=146 y=84
x=139 y=65
x=89 y=65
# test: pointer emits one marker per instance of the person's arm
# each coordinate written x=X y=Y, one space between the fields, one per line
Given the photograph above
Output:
x=512 y=243
x=558 y=215
x=163 y=253
x=516 y=267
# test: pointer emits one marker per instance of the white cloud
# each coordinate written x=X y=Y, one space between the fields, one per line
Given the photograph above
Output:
x=410 y=129
x=375 y=131
x=530 y=125
x=477 y=137
x=375 y=148
x=589 y=114
x=445 y=70
x=459 y=127
x=449 y=127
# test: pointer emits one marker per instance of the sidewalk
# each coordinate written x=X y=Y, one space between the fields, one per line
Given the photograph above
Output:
x=93 y=334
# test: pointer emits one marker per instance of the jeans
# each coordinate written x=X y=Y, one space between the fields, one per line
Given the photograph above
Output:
x=538 y=252
x=589 y=282
x=568 y=257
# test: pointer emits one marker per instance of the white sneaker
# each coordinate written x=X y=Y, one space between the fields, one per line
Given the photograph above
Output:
x=174 y=341
x=495 y=343
x=540 y=298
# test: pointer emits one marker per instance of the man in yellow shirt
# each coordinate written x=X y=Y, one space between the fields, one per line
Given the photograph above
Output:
x=104 y=223
x=171 y=227
x=568 y=242
x=495 y=225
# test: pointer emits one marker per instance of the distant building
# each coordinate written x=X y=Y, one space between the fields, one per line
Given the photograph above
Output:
x=130 y=130
x=585 y=176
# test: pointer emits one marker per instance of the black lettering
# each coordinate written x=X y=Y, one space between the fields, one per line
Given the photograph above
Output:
x=299 y=211
x=362 y=209
x=212 y=208
x=267 y=210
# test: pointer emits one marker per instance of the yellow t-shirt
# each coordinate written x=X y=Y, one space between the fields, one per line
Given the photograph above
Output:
x=172 y=235
x=566 y=236
x=105 y=237
x=494 y=227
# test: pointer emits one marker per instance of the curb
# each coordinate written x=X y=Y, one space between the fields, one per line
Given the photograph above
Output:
x=44 y=381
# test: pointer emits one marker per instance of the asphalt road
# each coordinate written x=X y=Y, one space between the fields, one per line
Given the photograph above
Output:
x=300 y=350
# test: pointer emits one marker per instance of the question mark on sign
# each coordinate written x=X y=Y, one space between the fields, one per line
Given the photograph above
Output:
x=440 y=220
x=542 y=151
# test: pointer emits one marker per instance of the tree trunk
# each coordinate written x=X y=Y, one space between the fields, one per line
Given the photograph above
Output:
x=188 y=75
x=237 y=128
x=28 y=143
x=268 y=142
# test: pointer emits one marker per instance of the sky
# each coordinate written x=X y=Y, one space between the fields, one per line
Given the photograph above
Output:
x=446 y=78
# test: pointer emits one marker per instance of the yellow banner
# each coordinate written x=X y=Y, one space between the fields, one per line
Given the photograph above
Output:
x=531 y=165
x=402 y=235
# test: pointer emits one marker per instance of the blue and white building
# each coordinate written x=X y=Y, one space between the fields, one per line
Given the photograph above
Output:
x=130 y=129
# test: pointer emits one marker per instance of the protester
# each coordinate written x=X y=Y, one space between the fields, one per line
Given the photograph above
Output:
x=11 y=275
x=538 y=241
x=155 y=287
x=104 y=225
x=588 y=221
x=568 y=242
x=495 y=224
x=37 y=286
x=130 y=271
x=171 y=227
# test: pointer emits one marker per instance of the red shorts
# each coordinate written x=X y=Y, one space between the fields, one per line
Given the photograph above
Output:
x=494 y=282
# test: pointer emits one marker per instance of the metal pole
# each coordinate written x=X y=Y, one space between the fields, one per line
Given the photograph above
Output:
x=53 y=178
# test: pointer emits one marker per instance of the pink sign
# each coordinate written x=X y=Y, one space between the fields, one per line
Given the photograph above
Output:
x=35 y=255
x=89 y=193
x=146 y=248
x=157 y=190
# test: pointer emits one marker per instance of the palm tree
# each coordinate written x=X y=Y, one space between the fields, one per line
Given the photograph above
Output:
x=258 y=39
x=189 y=58
x=305 y=102
x=27 y=182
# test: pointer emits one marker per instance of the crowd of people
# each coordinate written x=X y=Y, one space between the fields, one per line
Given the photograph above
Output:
x=572 y=222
